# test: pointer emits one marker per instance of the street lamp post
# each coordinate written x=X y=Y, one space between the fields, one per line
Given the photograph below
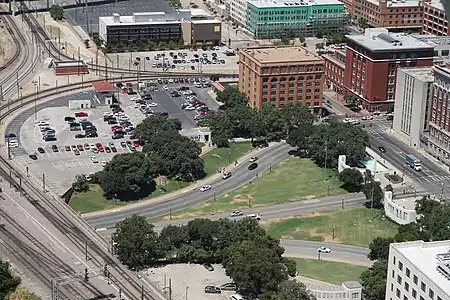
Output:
x=334 y=228
x=229 y=157
x=186 y=294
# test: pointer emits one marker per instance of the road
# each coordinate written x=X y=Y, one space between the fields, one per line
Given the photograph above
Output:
x=306 y=249
x=241 y=175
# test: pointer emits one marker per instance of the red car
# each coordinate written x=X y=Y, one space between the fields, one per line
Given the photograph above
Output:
x=136 y=144
x=80 y=147
x=195 y=100
x=129 y=84
x=204 y=113
x=81 y=114
x=115 y=128
x=101 y=149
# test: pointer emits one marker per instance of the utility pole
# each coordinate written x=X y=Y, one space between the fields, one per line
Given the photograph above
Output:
x=17 y=84
x=326 y=156
x=9 y=148
x=86 y=250
x=43 y=182
x=1 y=93
x=79 y=57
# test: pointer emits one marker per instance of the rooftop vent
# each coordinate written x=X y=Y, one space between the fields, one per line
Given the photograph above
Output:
x=116 y=18
x=387 y=38
x=443 y=265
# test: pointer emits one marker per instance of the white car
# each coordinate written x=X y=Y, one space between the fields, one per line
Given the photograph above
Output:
x=254 y=216
x=93 y=146
x=152 y=104
x=135 y=98
x=324 y=249
x=189 y=108
x=236 y=213
x=94 y=159
x=165 y=88
x=137 y=105
x=13 y=144
x=104 y=163
x=107 y=114
x=170 y=80
x=205 y=188
x=253 y=159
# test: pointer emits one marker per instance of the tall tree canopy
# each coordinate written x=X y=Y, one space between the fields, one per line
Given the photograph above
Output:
x=8 y=282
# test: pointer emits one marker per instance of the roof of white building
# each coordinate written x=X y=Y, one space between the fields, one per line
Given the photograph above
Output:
x=424 y=74
x=287 y=3
x=380 y=39
x=436 y=5
x=423 y=255
x=398 y=3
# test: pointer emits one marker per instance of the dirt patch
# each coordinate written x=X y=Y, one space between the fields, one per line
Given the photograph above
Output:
x=242 y=198
x=313 y=232
x=274 y=221
x=308 y=197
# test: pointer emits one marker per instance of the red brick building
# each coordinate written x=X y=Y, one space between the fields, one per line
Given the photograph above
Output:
x=371 y=65
x=70 y=67
x=434 y=20
x=335 y=69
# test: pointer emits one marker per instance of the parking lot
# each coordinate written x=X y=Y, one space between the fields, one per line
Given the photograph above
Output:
x=195 y=61
x=71 y=153
x=190 y=279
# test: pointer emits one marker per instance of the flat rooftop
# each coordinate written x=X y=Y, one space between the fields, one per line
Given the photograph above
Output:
x=433 y=40
x=144 y=18
x=379 y=39
x=423 y=74
x=423 y=255
x=436 y=5
x=62 y=64
x=282 y=54
x=398 y=3
x=292 y=3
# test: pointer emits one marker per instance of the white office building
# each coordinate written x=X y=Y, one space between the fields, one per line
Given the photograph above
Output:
x=413 y=94
x=238 y=12
x=419 y=271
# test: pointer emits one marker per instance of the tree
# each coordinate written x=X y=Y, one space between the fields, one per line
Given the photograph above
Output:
x=136 y=242
x=291 y=266
x=81 y=184
x=426 y=205
x=379 y=248
x=319 y=46
x=21 y=293
x=352 y=179
x=374 y=194
x=128 y=176
x=329 y=141
x=178 y=155
x=8 y=282
x=299 y=136
x=249 y=256
x=350 y=98
x=154 y=124
x=409 y=232
x=373 y=281
x=301 y=39
x=435 y=225
x=231 y=97
x=56 y=12
x=292 y=290
x=319 y=34
x=172 y=237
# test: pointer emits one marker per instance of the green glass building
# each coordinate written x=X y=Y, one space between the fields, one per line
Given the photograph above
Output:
x=294 y=18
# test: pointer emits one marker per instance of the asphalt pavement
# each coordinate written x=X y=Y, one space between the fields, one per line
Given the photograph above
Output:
x=240 y=176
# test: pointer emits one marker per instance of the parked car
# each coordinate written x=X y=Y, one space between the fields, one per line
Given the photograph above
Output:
x=212 y=290
x=231 y=286
x=33 y=156
x=55 y=148
x=41 y=150
x=226 y=175
x=236 y=213
x=81 y=114
x=208 y=267
x=94 y=159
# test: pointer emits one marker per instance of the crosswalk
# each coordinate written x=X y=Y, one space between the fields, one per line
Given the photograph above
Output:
x=435 y=178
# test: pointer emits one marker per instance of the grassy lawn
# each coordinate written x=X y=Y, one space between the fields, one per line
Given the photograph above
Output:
x=293 y=179
x=221 y=157
x=328 y=271
x=354 y=226
x=217 y=158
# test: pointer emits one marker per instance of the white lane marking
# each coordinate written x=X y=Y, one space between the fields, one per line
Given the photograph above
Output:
x=46 y=231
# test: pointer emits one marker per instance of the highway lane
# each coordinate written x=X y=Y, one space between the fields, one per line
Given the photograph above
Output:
x=241 y=175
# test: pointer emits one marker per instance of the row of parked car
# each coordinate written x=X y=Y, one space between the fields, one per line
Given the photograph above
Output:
x=121 y=124
x=48 y=133
x=82 y=123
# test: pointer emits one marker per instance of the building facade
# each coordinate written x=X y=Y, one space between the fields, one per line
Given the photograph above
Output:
x=439 y=134
x=335 y=69
x=69 y=67
x=392 y=14
x=281 y=75
x=238 y=12
x=413 y=95
x=293 y=18
x=418 y=270
x=434 y=20
x=155 y=27
x=371 y=64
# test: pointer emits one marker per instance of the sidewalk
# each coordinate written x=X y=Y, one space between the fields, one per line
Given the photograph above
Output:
x=191 y=187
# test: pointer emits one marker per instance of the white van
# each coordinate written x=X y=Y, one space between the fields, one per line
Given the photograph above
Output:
x=236 y=297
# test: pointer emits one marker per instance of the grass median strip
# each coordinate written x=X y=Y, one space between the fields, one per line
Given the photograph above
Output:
x=328 y=271
x=353 y=226
x=293 y=179
x=215 y=159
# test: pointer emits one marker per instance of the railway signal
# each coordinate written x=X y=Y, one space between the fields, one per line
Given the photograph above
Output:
x=86 y=277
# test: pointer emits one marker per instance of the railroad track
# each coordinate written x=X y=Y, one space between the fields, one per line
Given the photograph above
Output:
x=7 y=21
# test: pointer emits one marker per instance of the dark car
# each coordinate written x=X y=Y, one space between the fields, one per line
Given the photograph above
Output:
x=208 y=267
x=112 y=121
x=69 y=119
x=382 y=149
x=41 y=150
x=79 y=136
x=107 y=149
x=117 y=136
x=92 y=134
x=231 y=286
x=55 y=148
x=10 y=135
x=33 y=156
x=253 y=166
x=212 y=289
